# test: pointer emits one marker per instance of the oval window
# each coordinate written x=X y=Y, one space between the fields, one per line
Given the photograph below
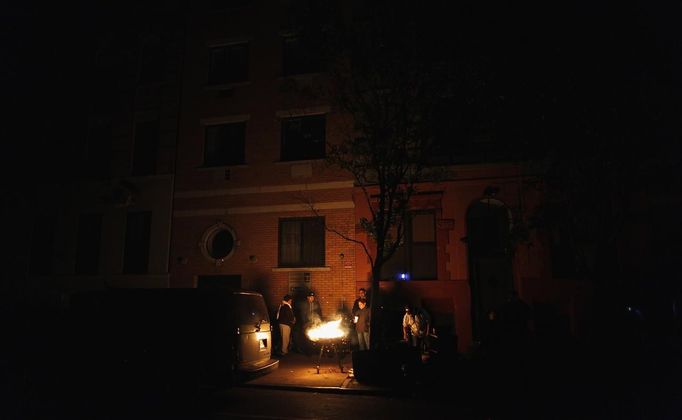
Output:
x=221 y=244
x=218 y=242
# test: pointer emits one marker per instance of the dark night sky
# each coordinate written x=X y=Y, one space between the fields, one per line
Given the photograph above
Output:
x=44 y=66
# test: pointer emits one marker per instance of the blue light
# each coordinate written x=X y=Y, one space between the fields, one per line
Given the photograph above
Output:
x=404 y=276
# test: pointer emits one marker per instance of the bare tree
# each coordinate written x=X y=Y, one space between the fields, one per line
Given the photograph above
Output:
x=382 y=73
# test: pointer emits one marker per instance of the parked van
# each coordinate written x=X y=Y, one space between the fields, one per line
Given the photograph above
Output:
x=180 y=340
x=248 y=323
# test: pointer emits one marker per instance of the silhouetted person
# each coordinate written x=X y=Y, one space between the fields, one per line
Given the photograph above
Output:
x=491 y=338
x=310 y=316
x=515 y=316
x=286 y=319
x=361 y=319
x=413 y=327
x=425 y=321
x=362 y=294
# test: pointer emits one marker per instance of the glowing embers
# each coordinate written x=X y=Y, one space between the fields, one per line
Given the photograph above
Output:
x=331 y=337
x=326 y=331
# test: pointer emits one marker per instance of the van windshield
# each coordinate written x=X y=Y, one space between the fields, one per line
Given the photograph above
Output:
x=249 y=309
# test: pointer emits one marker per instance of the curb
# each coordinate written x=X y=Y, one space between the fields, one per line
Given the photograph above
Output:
x=326 y=389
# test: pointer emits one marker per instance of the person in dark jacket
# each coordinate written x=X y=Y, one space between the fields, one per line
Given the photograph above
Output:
x=286 y=319
x=310 y=316
x=361 y=319
x=362 y=294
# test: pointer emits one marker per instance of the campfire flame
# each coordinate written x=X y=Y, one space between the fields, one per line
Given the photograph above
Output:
x=327 y=330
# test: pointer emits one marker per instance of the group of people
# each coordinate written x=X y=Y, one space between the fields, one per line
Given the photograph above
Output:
x=292 y=329
x=415 y=325
x=290 y=326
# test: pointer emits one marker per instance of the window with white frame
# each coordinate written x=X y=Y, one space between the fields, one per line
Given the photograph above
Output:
x=301 y=242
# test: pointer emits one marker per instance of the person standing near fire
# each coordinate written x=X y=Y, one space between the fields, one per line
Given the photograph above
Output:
x=286 y=319
x=362 y=294
x=361 y=319
x=310 y=311
x=310 y=315
x=414 y=327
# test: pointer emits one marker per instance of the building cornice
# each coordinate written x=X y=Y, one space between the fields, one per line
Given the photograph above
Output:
x=277 y=208
x=265 y=189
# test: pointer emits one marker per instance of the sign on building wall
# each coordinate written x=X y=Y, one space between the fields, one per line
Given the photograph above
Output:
x=299 y=283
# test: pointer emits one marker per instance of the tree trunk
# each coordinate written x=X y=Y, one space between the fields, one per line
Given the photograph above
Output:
x=374 y=308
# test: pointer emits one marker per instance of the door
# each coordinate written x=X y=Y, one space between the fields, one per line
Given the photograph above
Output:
x=221 y=281
x=490 y=265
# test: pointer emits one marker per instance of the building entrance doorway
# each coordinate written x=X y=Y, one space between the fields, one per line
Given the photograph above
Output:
x=222 y=281
x=490 y=264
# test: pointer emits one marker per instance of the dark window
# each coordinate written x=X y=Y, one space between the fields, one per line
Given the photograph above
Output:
x=146 y=148
x=89 y=242
x=152 y=62
x=42 y=247
x=564 y=263
x=138 y=231
x=224 y=144
x=297 y=57
x=221 y=244
x=99 y=148
x=463 y=133
x=301 y=242
x=227 y=4
x=228 y=64
x=248 y=309
x=416 y=258
x=303 y=137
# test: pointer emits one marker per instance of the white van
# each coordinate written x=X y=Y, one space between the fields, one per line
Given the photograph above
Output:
x=248 y=325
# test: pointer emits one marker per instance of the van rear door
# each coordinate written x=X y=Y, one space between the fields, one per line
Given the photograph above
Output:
x=254 y=337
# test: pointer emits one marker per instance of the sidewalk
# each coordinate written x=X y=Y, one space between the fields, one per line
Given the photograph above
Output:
x=299 y=372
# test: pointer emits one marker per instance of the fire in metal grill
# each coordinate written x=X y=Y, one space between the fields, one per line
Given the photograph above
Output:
x=331 y=337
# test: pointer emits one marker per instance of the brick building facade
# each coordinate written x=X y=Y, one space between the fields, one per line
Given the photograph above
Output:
x=231 y=188
x=249 y=167
x=250 y=171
